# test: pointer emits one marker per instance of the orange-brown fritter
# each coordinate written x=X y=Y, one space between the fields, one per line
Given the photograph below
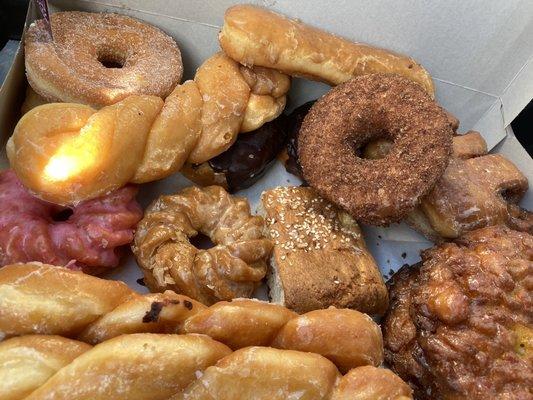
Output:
x=460 y=324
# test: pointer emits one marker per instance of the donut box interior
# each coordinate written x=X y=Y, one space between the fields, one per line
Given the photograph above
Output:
x=479 y=54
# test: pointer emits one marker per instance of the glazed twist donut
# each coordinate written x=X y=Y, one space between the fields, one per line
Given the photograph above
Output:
x=66 y=153
x=234 y=267
x=155 y=367
x=41 y=299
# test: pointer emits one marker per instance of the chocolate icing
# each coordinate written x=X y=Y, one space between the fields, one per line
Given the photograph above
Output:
x=294 y=122
x=251 y=155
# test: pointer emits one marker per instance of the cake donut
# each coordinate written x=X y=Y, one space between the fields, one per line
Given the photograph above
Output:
x=365 y=108
x=100 y=58
x=86 y=237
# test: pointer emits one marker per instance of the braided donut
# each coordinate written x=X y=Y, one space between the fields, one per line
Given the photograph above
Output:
x=339 y=124
x=27 y=362
x=65 y=153
x=99 y=58
x=234 y=267
x=90 y=238
x=99 y=310
x=155 y=367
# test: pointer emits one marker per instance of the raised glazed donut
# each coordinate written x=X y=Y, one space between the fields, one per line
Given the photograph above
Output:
x=366 y=108
x=255 y=36
x=33 y=230
x=99 y=59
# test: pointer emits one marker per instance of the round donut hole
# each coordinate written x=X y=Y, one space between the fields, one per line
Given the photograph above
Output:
x=63 y=215
x=201 y=241
x=111 y=60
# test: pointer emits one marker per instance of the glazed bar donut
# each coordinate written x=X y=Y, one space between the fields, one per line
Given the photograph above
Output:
x=161 y=367
x=63 y=152
x=365 y=108
x=255 y=36
x=234 y=267
x=89 y=236
x=100 y=58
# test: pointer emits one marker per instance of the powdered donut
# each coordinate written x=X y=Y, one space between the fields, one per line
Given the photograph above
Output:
x=363 y=109
x=99 y=59
x=34 y=230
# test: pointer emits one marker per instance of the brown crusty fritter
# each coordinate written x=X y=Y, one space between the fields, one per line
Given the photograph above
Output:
x=460 y=323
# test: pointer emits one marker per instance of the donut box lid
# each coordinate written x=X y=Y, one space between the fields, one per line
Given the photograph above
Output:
x=478 y=53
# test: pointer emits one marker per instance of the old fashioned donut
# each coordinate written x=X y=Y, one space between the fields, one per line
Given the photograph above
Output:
x=366 y=108
x=100 y=58
x=85 y=237
x=234 y=267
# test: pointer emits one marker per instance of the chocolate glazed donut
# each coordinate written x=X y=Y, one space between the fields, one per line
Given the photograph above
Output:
x=369 y=107
x=245 y=162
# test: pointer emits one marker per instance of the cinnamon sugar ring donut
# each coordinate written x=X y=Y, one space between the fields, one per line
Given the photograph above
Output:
x=364 y=109
x=100 y=58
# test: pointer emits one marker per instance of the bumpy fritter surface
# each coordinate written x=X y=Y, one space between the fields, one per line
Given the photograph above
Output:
x=363 y=109
x=460 y=325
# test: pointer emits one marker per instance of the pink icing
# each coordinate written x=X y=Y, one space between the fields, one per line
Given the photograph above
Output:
x=90 y=239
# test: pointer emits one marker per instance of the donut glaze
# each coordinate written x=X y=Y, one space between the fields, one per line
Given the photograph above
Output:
x=365 y=108
x=99 y=59
x=34 y=230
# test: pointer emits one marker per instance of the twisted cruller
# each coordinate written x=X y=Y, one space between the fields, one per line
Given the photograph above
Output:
x=233 y=267
x=67 y=152
x=131 y=365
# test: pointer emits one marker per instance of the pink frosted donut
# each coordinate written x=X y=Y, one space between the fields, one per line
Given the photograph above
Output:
x=85 y=237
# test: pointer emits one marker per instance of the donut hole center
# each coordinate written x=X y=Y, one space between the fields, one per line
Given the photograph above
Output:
x=512 y=194
x=109 y=60
x=201 y=241
x=62 y=215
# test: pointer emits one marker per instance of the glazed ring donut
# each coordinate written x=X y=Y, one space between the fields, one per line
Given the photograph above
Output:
x=234 y=267
x=363 y=109
x=87 y=236
x=100 y=58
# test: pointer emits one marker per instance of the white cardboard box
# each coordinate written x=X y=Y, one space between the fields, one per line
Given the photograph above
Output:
x=480 y=54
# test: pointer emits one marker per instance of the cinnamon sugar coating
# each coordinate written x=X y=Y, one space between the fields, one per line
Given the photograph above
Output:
x=379 y=191
x=72 y=68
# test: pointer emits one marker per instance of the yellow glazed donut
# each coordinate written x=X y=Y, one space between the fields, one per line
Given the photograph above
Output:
x=100 y=58
x=66 y=152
